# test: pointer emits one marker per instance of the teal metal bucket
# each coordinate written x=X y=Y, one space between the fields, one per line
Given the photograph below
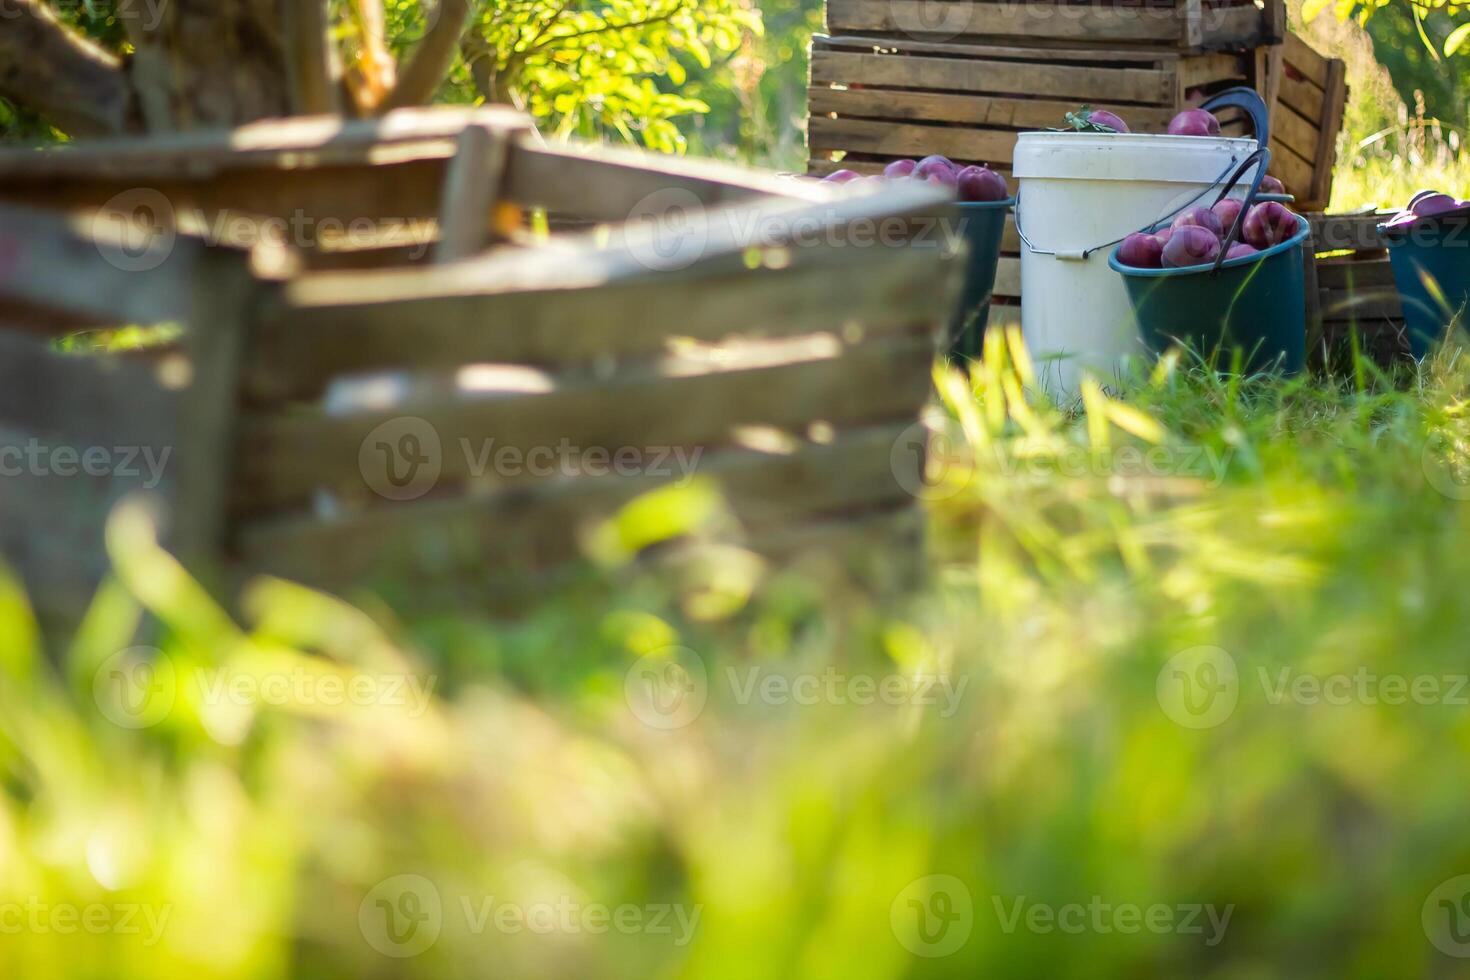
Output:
x=1431 y=268
x=1257 y=303
x=982 y=224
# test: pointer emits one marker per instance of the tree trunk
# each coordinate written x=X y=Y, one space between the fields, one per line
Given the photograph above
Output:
x=73 y=83
x=200 y=64
x=212 y=63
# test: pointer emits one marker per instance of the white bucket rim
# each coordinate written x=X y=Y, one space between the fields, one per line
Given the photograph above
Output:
x=1134 y=156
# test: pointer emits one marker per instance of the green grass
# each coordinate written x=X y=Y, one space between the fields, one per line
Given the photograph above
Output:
x=1307 y=528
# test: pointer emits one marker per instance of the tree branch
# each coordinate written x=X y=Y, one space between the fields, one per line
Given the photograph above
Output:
x=74 y=84
x=311 y=58
x=433 y=58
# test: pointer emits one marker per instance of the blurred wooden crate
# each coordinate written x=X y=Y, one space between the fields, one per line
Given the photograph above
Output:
x=1310 y=97
x=343 y=426
x=1179 y=25
x=1350 y=288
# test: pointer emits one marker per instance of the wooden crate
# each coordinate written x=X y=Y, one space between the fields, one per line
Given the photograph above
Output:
x=874 y=102
x=1179 y=25
x=777 y=336
x=1350 y=288
x=1310 y=97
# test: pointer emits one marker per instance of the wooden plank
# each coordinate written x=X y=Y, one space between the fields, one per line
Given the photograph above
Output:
x=1334 y=108
x=1008 y=277
x=471 y=192
x=1299 y=135
x=1152 y=59
x=294 y=353
x=83 y=400
x=1302 y=97
x=1374 y=303
x=1293 y=171
x=1340 y=232
x=994 y=77
x=93 y=268
x=1207 y=69
x=540 y=526
x=1003 y=315
x=913 y=140
x=286 y=145
x=692 y=402
x=1355 y=275
x=1302 y=57
x=604 y=184
x=979 y=110
x=1029 y=21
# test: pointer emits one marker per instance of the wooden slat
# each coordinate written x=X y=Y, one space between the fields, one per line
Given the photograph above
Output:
x=1302 y=97
x=295 y=353
x=278 y=144
x=1355 y=275
x=1111 y=57
x=93 y=268
x=996 y=77
x=1294 y=172
x=83 y=400
x=979 y=110
x=1211 y=68
x=1300 y=135
x=1008 y=277
x=1356 y=232
x=604 y=184
x=1334 y=108
x=286 y=457
x=1372 y=303
x=471 y=192
x=1030 y=21
x=539 y=526
x=1304 y=58
x=914 y=140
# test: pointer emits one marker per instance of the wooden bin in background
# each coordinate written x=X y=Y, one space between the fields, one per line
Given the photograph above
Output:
x=1186 y=25
x=1310 y=98
x=1350 y=288
x=768 y=335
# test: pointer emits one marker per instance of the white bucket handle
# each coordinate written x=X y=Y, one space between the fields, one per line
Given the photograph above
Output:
x=1082 y=255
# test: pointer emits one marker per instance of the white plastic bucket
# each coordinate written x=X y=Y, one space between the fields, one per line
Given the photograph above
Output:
x=1081 y=193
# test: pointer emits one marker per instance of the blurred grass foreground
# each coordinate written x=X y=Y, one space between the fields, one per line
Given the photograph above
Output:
x=1186 y=698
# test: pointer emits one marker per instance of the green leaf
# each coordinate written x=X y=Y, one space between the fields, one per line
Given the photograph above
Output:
x=1456 y=40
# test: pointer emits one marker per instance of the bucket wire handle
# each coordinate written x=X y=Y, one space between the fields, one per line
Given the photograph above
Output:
x=1249 y=101
x=1263 y=157
x=1235 y=166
